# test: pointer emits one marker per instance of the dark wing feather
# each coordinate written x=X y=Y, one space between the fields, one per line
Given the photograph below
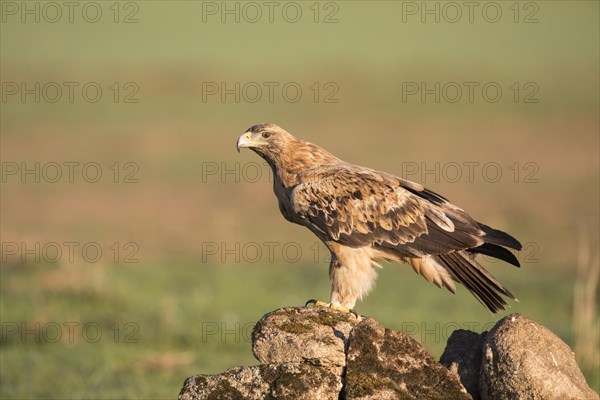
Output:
x=426 y=194
x=496 y=251
x=356 y=206
x=500 y=238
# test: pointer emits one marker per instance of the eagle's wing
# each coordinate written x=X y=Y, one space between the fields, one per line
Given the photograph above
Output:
x=356 y=207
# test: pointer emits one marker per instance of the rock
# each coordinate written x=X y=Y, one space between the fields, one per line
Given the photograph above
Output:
x=271 y=381
x=462 y=357
x=524 y=360
x=293 y=334
x=319 y=353
x=387 y=364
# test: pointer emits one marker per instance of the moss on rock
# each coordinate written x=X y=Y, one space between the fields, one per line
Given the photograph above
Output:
x=292 y=327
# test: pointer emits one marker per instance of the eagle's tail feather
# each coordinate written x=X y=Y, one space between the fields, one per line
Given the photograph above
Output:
x=476 y=279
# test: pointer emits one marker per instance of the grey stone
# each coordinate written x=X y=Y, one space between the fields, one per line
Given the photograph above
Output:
x=318 y=353
x=269 y=381
x=387 y=364
x=524 y=360
x=462 y=356
x=296 y=334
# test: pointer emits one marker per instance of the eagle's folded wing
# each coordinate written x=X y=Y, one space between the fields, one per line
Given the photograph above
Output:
x=357 y=206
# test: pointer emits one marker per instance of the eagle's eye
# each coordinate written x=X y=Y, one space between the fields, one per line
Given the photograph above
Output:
x=266 y=135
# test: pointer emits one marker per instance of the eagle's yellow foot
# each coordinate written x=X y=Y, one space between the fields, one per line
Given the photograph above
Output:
x=318 y=303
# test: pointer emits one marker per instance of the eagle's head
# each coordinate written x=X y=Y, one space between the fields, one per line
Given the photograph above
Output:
x=267 y=140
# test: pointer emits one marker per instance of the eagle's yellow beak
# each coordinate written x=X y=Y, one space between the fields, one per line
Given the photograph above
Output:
x=246 y=141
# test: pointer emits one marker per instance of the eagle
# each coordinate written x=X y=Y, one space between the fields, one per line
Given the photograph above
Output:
x=364 y=217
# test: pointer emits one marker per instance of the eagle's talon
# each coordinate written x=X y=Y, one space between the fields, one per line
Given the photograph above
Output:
x=311 y=301
x=335 y=307
x=317 y=303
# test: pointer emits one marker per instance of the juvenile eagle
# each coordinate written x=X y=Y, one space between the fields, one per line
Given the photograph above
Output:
x=364 y=216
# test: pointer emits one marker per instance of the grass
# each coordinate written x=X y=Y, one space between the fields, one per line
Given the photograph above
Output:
x=193 y=318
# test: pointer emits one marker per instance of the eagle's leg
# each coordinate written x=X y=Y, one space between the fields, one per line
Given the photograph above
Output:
x=352 y=276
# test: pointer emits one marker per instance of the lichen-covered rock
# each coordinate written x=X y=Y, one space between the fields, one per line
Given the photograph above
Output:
x=296 y=334
x=319 y=353
x=524 y=360
x=269 y=381
x=387 y=364
x=462 y=357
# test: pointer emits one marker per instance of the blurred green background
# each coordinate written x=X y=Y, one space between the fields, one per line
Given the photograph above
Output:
x=193 y=248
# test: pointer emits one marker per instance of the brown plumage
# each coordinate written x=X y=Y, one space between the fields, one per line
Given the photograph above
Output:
x=364 y=216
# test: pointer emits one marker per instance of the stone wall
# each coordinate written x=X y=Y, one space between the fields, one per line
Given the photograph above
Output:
x=317 y=353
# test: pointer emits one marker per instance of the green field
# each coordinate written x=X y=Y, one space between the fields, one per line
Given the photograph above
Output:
x=190 y=319
x=193 y=248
